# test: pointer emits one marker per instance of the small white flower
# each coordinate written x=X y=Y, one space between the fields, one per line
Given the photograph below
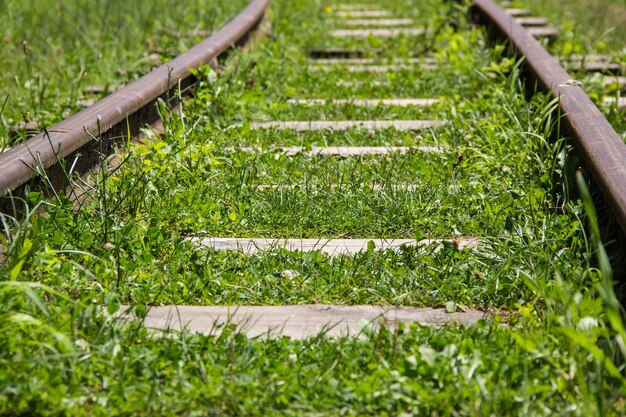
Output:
x=288 y=274
x=578 y=297
x=586 y=324
x=82 y=344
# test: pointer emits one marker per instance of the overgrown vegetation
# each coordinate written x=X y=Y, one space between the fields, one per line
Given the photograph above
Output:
x=552 y=338
x=593 y=26
x=588 y=28
x=52 y=54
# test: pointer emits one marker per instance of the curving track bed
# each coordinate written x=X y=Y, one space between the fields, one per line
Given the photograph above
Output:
x=363 y=212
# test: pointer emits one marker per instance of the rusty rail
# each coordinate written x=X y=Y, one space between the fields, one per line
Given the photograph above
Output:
x=599 y=145
x=123 y=113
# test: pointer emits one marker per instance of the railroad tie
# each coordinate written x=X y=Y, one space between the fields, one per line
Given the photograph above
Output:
x=619 y=102
x=363 y=13
x=373 y=68
x=378 y=22
x=347 y=188
x=602 y=67
x=351 y=64
x=328 y=53
x=543 y=32
x=349 y=6
x=590 y=57
x=298 y=321
x=518 y=12
x=399 y=102
x=331 y=247
x=370 y=61
x=370 y=125
x=615 y=81
x=593 y=63
x=379 y=33
x=532 y=21
x=343 y=150
x=374 y=83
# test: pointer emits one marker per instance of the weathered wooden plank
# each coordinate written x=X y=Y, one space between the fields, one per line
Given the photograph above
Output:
x=332 y=247
x=589 y=57
x=613 y=101
x=374 y=83
x=544 y=32
x=347 y=124
x=379 y=33
x=518 y=12
x=363 y=13
x=593 y=63
x=361 y=187
x=373 y=68
x=594 y=66
x=618 y=81
x=372 y=61
x=344 y=150
x=346 y=6
x=351 y=188
x=378 y=22
x=532 y=21
x=344 y=187
x=400 y=102
x=329 y=53
x=299 y=321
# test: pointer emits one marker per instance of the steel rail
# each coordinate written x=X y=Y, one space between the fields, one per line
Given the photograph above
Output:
x=123 y=113
x=600 y=146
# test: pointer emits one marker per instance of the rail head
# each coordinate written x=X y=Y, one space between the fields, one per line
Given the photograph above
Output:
x=600 y=146
x=130 y=104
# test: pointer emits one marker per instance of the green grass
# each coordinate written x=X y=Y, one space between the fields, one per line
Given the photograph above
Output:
x=592 y=25
x=588 y=27
x=50 y=52
x=551 y=341
x=481 y=370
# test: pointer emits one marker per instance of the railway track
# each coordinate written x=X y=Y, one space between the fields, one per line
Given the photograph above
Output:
x=382 y=179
